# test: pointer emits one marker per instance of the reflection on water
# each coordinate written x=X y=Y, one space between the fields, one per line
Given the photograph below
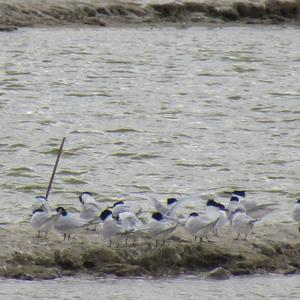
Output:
x=259 y=287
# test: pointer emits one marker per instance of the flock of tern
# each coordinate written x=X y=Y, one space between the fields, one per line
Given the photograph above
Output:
x=120 y=222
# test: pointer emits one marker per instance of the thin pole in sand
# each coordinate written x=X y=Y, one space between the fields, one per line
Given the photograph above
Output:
x=55 y=167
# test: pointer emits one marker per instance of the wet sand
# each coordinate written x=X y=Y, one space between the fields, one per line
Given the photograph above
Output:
x=20 y=13
x=272 y=248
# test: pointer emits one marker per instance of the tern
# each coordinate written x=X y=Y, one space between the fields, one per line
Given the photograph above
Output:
x=159 y=228
x=43 y=221
x=172 y=205
x=68 y=223
x=254 y=210
x=133 y=226
x=120 y=207
x=89 y=207
x=199 y=225
x=40 y=201
x=234 y=204
x=112 y=229
x=296 y=212
x=217 y=210
x=242 y=223
x=239 y=194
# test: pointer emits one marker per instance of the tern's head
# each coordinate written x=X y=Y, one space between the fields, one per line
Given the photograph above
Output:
x=298 y=201
x=212 y=202
x=61 y=211
x=38 y=210
x=223 y=208
x=220 y=206
x=105 y=214
x=234 y=199
x=239 y=193
x=193 y=214
x=118 y=203
x=171 y=201
x=83 y=196
x=41 y=198
x=157 y=216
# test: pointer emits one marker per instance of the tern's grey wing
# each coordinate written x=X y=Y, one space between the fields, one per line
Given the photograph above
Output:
x=70 y=222
x=180 y=202
x=296 y=213
x=89 y=212
x=267 y=205
x=94 y=205
x=159 y=207
x=95 y=221
x=50 y=219
x=169 y=218
x=260 y=211
x=206 y=228
x=172 y=210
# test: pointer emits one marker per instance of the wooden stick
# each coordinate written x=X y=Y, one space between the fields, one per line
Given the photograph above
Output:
x=55 y=167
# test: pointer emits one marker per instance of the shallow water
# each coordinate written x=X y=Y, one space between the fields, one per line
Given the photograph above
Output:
x=259 y=287
x=149 y=112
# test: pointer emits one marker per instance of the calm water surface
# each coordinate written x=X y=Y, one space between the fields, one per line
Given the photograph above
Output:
x=150 y=112
x=271 y=287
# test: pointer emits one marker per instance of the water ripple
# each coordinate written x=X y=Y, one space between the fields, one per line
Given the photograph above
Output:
x=168 y=112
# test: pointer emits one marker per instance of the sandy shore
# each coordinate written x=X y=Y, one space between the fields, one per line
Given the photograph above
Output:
x=20 y=13
x=270 y=249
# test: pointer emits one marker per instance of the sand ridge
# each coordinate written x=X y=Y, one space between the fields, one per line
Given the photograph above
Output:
x=271 y=248
x=20 y=13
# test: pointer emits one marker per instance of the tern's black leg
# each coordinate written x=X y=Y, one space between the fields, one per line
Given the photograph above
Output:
x=237 y=237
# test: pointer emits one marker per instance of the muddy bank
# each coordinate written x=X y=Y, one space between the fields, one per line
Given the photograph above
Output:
x=22 y=13
x=272 y=249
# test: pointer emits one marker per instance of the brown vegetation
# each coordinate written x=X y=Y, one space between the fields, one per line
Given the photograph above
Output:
x=23 y=256
x=102 y=13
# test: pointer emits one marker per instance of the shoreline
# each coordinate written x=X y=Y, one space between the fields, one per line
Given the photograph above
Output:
x=37 y=13
x=270 y=249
